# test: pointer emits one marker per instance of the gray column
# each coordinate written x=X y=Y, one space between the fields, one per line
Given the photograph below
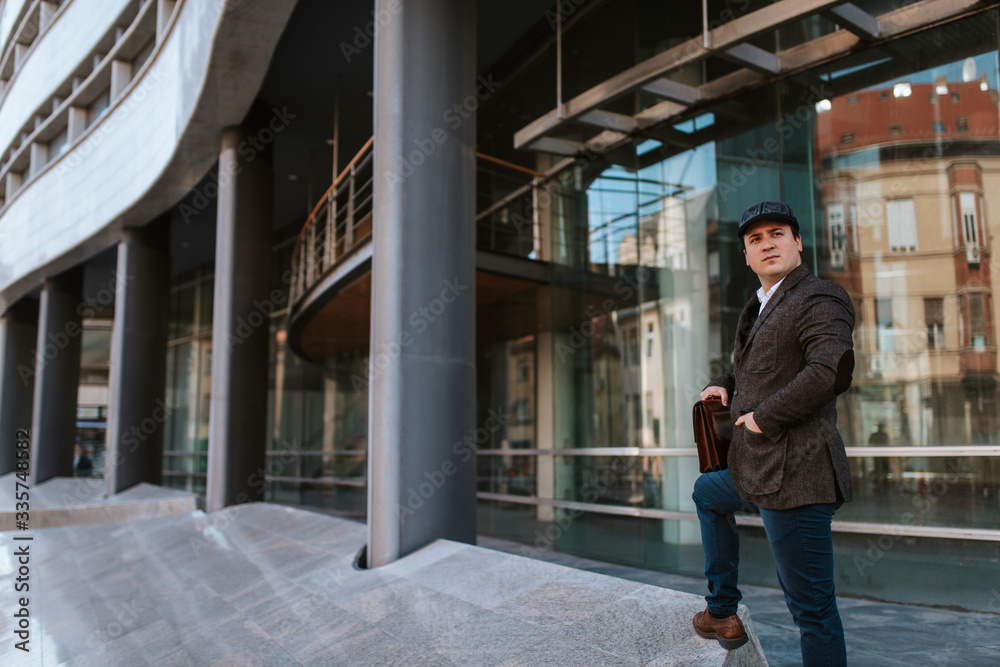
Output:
x=421 y=475
x=18 y=337
x=240 y=333
x=57 y=378
x=137 y=410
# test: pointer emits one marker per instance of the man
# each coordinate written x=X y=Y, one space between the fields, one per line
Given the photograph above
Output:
x=880 y=439
x=83 y=465
x=794 y=353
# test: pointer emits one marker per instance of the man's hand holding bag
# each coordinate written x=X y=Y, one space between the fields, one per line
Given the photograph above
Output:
x=713 y=431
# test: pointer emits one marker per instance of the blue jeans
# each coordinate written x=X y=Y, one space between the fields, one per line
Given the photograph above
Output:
x=802 y=545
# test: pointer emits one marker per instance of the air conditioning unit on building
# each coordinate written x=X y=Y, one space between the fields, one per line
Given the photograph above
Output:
x=972 y=253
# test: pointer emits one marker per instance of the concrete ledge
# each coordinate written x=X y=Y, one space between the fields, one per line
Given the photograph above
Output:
x=65 y=501
x=263 y=584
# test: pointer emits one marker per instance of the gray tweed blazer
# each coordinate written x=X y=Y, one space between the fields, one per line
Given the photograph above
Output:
x=790 y=363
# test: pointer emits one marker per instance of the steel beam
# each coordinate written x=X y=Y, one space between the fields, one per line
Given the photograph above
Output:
x=858 y=21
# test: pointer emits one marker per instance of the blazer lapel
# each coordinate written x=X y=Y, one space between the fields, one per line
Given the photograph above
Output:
x=787 y=284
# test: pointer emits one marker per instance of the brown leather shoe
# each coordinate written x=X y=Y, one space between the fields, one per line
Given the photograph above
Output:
x=729 y=631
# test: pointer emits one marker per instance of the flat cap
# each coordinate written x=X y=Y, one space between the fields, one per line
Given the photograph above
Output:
x=777 y=211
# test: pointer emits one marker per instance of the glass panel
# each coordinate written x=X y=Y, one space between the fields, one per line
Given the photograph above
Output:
x=650 y=543
x=795 y=33
x=927 y=370
x=649 y=279
x=206 y=301
x=343 y=500
x=182 y=312
x=318 y=421
x=512 y=475
x=95 y=348
x=925 y=491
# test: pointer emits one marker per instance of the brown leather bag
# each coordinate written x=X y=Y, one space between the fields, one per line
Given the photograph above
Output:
x=713 y=431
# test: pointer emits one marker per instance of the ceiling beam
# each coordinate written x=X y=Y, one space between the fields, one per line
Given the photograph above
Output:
x=692 y=50
x=557 y=146
x=610 y=120
x=660 y=112
x=673 y=91
x=857 y=20
x=796 y=61
x=753 y=57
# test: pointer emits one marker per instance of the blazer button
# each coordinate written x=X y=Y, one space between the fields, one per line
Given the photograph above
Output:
x=735 y=391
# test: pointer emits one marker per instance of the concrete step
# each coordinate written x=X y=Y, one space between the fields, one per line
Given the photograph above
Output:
x=77 y=501
x=262 y=584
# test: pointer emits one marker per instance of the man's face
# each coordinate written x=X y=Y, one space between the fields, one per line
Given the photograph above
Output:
x=772 y=251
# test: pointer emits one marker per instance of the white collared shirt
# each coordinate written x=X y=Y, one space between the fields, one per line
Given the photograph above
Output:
x=764 y=297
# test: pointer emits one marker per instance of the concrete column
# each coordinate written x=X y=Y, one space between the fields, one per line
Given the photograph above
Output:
x=39 y=155
x=77 y=123
x=238 y=429
x=121 y=75
x=57 y=377
x=137 y=408
x=20 y=51
x=421 y=486
x=14 y=181
x=46 y=10
x=18 y=336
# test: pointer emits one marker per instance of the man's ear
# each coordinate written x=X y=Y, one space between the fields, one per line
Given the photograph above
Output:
x=745 y=256
x=798 y=240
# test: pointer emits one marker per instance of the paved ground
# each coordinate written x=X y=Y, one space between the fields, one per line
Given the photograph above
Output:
x=263 y=584
x=270 y=585
x=878 y=634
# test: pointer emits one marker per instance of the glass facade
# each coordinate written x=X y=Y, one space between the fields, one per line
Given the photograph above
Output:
x=189 y=381
x=890 y=158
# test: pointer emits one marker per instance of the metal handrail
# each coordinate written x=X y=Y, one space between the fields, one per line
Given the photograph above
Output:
x=343 y=217
x=339 y=220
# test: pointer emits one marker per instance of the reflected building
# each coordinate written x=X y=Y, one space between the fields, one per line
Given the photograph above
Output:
x=907 y=179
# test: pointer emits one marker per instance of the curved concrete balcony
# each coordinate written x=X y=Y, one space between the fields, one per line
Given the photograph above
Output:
x=158 y=136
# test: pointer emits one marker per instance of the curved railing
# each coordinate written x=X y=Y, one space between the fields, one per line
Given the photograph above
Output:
x=343 y=216
x=341 y=219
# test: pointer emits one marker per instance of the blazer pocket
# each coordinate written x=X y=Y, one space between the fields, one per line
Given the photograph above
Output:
x=763 y=351
x=762 y=463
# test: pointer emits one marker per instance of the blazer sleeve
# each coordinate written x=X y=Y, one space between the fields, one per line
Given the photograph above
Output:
x=825 y=332
x=726 y=381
